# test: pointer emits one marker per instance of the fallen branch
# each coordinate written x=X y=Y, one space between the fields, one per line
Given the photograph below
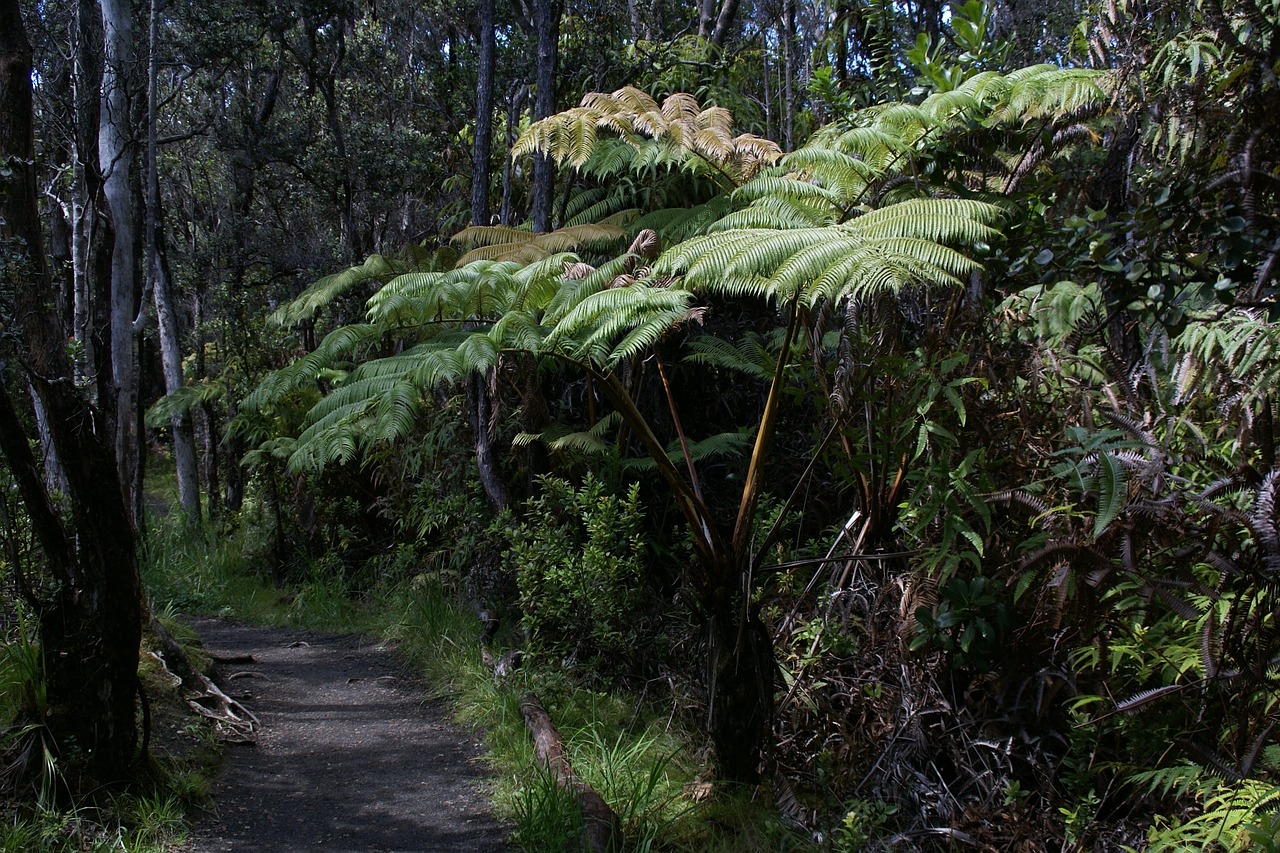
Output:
x=234 y=722
x=503 y=666
x=601 y=829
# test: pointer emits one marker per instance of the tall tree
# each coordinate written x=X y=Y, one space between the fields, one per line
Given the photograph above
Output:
x=91 y=626
x=183 y=434
x=116 y=155
x=546 y=23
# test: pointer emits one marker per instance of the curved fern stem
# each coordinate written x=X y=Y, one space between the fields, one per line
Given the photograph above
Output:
x=768 y=423
x=706 y=539
x=675 y=419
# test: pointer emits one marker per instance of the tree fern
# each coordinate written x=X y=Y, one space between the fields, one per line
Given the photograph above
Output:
x=376 y=268
x=505 y=243
x=687 y=133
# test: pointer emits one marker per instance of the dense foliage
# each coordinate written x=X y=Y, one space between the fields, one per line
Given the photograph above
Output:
x=887 y=391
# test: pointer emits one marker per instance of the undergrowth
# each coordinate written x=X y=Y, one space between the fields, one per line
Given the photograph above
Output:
x=41 y=809
x=637 y=757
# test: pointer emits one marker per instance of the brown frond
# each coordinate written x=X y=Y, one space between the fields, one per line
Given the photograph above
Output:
x=1023 y=499
x=647 y=245
x=1138 y=700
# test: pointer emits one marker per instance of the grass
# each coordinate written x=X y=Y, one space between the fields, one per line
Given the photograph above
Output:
x=639 y=761
x=40 y=813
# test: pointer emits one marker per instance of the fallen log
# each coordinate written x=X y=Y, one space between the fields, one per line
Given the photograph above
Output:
x=601 y=828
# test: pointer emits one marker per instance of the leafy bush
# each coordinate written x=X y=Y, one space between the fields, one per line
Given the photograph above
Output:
x=578 y=562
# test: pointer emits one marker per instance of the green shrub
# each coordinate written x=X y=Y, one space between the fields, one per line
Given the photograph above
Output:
x=578 y=562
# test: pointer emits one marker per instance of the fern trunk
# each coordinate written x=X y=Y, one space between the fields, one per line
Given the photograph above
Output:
x=741 y=674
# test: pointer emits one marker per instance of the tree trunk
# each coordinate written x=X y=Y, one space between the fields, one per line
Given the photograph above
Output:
x=724 y=22
x=547 y=24
x=789 y=72
x=184 y=451
x=86 y=81
x=514 y=103
x=483 y=146
x=54 y=479
x=115 y=154
x=741 y=674
x=480 y=407
x=91 y=630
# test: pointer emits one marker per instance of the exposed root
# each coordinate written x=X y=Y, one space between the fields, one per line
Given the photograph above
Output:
x=233 y=722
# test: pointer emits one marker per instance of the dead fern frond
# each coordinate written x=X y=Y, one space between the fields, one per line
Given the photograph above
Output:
x=1146 y=697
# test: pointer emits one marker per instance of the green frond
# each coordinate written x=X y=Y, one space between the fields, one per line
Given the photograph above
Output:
x=610 y=325
x=778 y=212
x=748 y=355
x=569 y=294
x=648 y=327
x=677 y=224
x=610 y=157
x=324 y=291
x=887 y=248
x=336 y=345
x=787 y=186
x=729 y=444
x=1048 y=91
x=843 y=174
x=518 y=330
x=941 y=219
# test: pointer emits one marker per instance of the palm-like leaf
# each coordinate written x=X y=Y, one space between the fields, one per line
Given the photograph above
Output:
x=686 y=132
x=890 y=248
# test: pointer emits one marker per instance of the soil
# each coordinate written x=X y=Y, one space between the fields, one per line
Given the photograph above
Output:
x=352 y=755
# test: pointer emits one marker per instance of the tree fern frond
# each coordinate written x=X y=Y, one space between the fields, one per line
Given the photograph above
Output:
x=728 y=444
x=337 y=344
x=1146 y=697
x=325 y=290
x=777 y=212
x=747 y=356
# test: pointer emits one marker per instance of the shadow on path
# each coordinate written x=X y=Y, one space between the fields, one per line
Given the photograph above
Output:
x=351 y=756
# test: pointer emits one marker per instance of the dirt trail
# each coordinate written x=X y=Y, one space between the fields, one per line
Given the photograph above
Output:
x=351 y=756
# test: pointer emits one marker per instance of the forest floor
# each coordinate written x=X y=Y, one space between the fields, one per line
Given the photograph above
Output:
x=352 y=754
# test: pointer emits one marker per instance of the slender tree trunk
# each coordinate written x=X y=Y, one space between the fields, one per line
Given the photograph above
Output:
x=54 y=478
x=789 y=72
x=483 y=146
x=91 y=629
x=480 y=389
x=480 y=406
x=514 y=105
x=116 y=156
x=184 y=451
x=547 y=25
x=86 y=82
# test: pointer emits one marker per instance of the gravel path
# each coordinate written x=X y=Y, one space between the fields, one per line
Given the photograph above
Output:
x=351 y=757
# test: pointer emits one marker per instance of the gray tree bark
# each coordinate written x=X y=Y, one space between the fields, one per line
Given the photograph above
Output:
x=91 y=624
x=183 y=436
x=119 y=186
